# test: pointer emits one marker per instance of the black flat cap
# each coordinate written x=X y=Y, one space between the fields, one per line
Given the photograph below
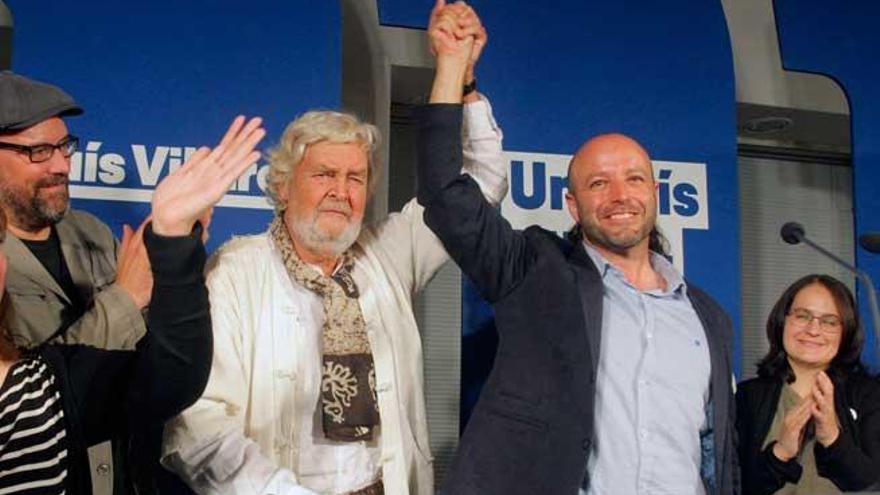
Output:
x=25 y=102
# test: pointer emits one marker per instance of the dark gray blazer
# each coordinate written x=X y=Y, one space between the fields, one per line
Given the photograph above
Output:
x=532 y=428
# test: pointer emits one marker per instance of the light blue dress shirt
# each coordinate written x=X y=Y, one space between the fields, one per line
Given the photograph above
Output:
x=652 y=388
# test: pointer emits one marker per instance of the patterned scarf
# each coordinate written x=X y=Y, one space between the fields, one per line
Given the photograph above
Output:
x=348 y=384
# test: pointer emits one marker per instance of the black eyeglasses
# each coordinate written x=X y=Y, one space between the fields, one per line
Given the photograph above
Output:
x=42 y=152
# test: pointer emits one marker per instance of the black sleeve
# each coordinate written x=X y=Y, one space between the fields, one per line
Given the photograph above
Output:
x=477 y=237
x=169 y=369
x=852 y=462
x=762 y=472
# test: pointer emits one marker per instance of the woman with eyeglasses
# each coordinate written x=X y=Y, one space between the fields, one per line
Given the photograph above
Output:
x=810 y=422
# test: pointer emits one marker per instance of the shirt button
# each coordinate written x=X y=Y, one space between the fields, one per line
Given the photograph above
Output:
x=643 y=433
x=103 y=469
x=586 y=444
x=285 y=375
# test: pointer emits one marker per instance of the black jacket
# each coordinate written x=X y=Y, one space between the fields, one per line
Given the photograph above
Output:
x=852 y=462
x=104 y=392
x=532 y=428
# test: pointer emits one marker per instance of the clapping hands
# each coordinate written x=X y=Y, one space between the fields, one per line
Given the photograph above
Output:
x=822 y=411
x=818 y=406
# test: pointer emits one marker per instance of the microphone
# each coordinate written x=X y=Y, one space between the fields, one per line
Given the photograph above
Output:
x=793 y=233
x=870 y=241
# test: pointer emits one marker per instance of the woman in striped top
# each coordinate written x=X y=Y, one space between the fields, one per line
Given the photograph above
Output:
x=57 y=400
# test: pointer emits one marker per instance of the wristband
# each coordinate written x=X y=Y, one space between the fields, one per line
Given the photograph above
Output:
x=469 y=87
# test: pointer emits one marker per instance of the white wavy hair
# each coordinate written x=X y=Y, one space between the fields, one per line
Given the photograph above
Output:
x=315 y=127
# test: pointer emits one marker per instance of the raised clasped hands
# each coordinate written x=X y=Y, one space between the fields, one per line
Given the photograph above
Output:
x=456 y=35
x=189 y=193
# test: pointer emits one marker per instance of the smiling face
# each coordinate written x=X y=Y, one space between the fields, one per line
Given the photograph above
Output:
x=325 y=198
x=612 y=193
x=34 y=195
x=812 y=344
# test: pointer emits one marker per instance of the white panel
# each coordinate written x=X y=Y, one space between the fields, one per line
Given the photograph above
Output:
x=438 y=311
x=760 y=77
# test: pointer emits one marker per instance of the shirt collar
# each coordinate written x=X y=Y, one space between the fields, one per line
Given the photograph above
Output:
x=674 y=281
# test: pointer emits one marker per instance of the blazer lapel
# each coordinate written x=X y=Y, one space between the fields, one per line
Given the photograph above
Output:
x=76 y=256
x=721 y=383
x=590 y=290
x=23 y=261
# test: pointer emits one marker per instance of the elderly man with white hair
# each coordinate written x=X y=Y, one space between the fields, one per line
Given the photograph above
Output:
x=316 y=384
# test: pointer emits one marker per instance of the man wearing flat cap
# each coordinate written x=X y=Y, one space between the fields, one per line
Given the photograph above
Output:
x=70 y=281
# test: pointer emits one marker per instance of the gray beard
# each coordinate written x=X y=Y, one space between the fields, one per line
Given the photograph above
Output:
x=312 y=238
x=31 y=213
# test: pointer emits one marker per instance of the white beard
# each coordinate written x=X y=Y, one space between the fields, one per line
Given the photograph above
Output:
x=314 y=239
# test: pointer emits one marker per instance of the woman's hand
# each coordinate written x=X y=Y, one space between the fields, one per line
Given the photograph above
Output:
x=789 y=442
x=823 y=411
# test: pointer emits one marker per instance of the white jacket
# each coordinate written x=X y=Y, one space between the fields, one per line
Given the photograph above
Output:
x=240 y=437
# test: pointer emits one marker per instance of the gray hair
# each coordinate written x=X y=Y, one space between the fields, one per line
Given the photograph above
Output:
x=314 y=127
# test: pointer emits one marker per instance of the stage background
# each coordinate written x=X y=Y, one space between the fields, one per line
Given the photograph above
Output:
x=159 y=79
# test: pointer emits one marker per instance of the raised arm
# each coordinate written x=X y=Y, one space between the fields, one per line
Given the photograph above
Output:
x=170 y=367
x=180 y=200
x=474 y=233
x=412 y=250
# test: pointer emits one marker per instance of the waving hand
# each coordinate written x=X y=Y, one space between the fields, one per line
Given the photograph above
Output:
x=189 y=193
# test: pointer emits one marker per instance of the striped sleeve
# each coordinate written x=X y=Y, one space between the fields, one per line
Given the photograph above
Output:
x=33 y=437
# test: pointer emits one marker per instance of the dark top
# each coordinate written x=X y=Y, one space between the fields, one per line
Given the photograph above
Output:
x=104 y=392
x=532 y=429
x=852 y=462
x=49 y=253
